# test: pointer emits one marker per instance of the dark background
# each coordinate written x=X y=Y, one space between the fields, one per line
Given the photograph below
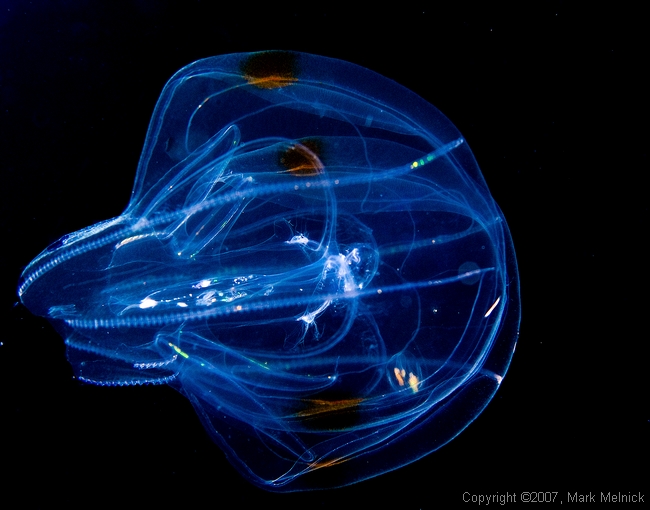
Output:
x=552 y=101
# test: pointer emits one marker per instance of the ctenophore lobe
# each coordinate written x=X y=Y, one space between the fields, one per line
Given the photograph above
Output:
x=311 y=256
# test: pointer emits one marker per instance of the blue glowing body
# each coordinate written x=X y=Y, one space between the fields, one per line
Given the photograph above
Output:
x=311 y=256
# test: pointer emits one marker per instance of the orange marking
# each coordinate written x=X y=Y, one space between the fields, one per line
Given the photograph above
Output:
x=399 y=375
x=270 y=82
x=301 y=159
x=270 y=69
x=318 y=465
x=317 y=407
x=414 y=382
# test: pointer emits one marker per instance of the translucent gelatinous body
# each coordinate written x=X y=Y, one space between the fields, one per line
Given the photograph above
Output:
x=311 y=256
